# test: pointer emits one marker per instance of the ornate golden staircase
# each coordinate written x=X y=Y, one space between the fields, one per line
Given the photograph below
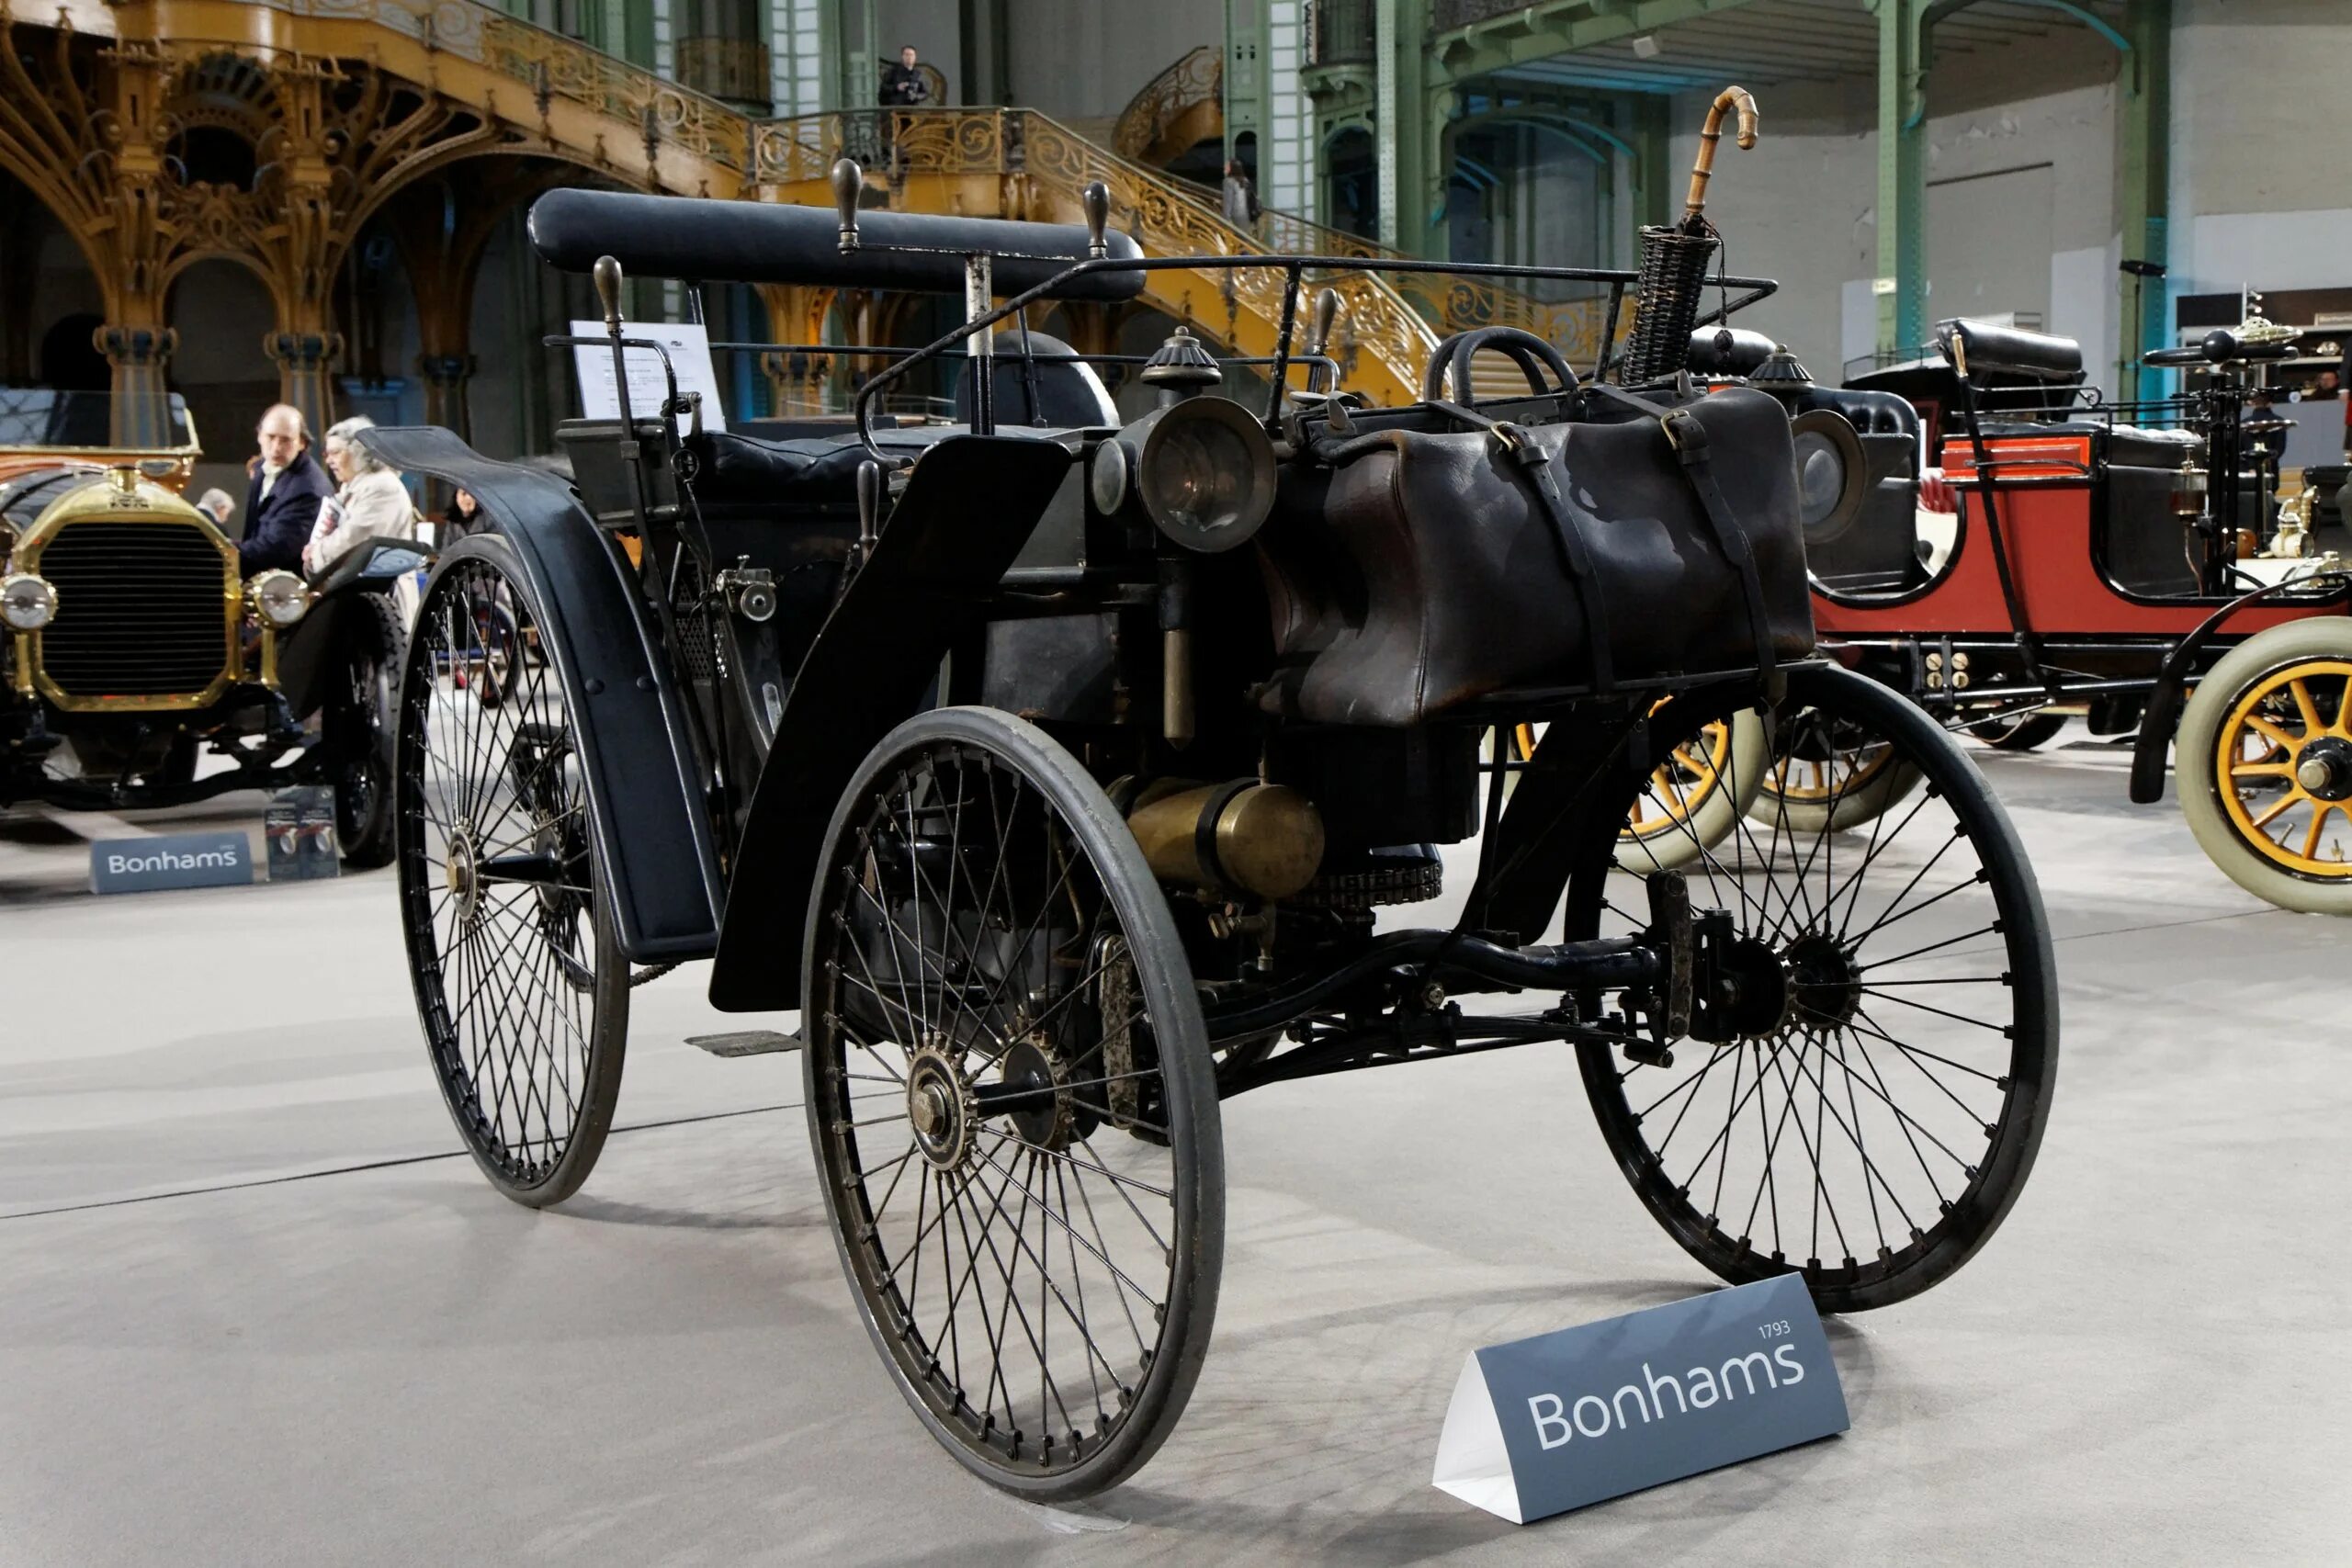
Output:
x=1177 y=110
x=1020 y=164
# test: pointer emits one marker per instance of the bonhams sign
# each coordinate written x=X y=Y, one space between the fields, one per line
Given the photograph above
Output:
x=170 y=860
x=1540 y=1425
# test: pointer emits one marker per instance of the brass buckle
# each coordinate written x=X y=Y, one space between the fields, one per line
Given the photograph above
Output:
x=1513 y=440
x=1682 y=431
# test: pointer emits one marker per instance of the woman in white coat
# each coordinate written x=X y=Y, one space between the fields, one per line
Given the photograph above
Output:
x=371 y=505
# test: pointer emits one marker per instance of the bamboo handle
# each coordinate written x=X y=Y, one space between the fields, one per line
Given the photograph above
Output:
x=1738 y=98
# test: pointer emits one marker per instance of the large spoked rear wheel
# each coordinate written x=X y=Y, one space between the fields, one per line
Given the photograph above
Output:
x=1873 y=1092
x=2265 y=765
x=520 y=982
x=1011 y=1102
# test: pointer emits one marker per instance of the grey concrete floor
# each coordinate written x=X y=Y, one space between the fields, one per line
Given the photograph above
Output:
x=255 y=1308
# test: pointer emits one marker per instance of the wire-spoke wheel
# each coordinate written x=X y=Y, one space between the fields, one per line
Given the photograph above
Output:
x=520 y=982
x=1012 y=1103
x=1868 y=1077
x=2265 y=761
x=1826 y=782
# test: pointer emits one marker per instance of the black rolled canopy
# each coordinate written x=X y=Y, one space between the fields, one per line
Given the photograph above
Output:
x=755 y=242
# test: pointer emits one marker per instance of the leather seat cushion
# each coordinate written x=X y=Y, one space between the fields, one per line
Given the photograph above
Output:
x=810 y=471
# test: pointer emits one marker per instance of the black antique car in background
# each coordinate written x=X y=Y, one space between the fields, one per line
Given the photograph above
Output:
x=132 y=648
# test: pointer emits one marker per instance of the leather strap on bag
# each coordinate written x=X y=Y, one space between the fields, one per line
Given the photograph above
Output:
x=1688 y=439
x=1575 y=554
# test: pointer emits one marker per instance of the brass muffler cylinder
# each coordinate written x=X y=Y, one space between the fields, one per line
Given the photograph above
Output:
x=1241 y=837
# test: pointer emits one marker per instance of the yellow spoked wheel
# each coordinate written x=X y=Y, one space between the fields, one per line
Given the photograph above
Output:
x=2265 y=761
x=1696 y=792
x=1818 y=790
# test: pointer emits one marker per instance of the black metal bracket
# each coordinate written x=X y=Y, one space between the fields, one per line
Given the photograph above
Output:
x=1351 y=1044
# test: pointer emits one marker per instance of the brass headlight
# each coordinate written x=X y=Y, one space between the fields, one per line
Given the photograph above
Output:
x=27 y=602
x=280 y=598
x=1202 y=469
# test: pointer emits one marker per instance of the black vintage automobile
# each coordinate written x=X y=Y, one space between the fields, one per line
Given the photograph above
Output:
x=1070 y=779
x=130 y=645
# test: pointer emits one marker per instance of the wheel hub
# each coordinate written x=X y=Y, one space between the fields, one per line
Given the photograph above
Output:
x=1034 y=1096
x=1812 y=983
x=1825 y=982
x=939 y=1104
x=1755 y=989
x=461 y=874
x=2323 y=768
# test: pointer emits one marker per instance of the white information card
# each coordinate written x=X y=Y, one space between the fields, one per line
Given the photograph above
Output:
x=689 y=348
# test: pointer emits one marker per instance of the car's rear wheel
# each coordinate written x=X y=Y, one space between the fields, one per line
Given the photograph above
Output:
x=520 y=982
x=1867 y=1093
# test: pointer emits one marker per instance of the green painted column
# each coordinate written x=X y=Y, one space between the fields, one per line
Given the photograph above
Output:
x=1409 y=111
x=1248 y=109
x=2143 y=172
x=847 y=36
x=1388 y=99
x=1440 y=106
x=1900 y=286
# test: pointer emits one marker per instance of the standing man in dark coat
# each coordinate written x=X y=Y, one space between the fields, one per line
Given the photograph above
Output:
x=904 y=84
x=282 y=504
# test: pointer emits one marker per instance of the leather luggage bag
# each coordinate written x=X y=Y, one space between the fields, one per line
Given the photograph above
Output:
x=1419 y=570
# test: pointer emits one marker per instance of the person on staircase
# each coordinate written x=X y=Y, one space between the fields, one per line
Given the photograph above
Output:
x=1241 y=209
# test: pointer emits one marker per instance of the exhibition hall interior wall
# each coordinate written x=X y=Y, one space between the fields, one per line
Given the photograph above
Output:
x=2020 y=169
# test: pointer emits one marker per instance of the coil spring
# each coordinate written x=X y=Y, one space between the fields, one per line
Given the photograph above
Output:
x=1666 y=307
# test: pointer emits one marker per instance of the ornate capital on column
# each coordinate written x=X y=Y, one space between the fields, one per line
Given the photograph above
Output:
x=141 y=348
x=296 y=353
x=447 y=372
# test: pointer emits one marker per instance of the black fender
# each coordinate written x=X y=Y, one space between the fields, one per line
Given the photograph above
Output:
x=2161 y=718
x=645 y=788
x=968 y=508
x=306 y=651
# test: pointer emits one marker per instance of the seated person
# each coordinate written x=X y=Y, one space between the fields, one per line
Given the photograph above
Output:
x=282 y=500
x=372 y=504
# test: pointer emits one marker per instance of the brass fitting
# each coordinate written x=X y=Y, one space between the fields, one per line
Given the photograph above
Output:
x=1242 y=837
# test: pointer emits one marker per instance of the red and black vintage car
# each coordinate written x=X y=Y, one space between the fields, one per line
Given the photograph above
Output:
x=2120 y=560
